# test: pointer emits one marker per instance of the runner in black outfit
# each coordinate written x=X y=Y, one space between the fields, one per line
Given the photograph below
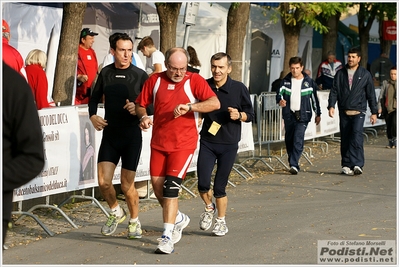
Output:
x=120 y=84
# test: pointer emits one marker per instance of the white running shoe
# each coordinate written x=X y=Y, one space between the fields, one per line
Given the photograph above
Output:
x=112 y=223
x=347 y=171
x=220 y=228
x=134 y=230
x=179 y=226
x=206 y=219
x=165 y=245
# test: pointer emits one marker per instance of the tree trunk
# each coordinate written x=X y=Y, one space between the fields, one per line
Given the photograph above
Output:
x=237 y=20
x=364 y=31
x=168 y=14
x=330 y=38
x=291 y=36
x=67 y=57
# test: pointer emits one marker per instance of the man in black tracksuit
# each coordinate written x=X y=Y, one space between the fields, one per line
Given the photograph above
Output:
x=352 y=88
x=297 y=96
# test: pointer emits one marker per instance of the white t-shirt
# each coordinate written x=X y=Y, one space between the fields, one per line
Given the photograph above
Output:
x=109 y=59
x=296 y=94
x=157 y=57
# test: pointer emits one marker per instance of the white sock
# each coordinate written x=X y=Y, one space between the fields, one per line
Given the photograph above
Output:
x=133 y=220
x=168 y=229
x=179 y=217
x=117 y=211
x=221 y=218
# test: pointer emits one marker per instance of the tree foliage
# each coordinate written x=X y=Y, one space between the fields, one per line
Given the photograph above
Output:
x=294 y=16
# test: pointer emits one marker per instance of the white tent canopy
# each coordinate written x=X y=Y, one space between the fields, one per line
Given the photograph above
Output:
x=35 y=27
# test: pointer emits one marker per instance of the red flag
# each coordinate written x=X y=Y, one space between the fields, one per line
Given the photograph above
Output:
x=389 y=27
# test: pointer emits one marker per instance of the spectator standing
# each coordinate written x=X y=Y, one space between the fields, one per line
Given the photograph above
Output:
x=23 y=154
x=35 y=63
x=11 y=56
x=87 y=67
x=352 y=88
x=120 y=83
x=387 y=102
x=194 y=65
x=380 y=68
x=155 y=59
x=109 y=59
x=327 y=70
x=178 y=96
x=220 y=145
x=297 y=96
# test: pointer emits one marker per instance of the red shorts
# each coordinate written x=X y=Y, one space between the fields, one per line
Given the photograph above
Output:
x=170 y=163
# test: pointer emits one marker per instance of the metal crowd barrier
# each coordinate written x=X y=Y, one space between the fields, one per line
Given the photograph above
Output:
x=269 y=127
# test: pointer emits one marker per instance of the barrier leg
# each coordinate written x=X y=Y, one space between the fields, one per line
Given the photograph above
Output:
x=149 y=193
x=24 y=213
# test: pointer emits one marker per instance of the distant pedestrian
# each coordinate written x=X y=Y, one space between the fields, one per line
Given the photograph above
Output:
x=155 y=58
x=194 y=65
x=297 y=96
x=380 y=68
x=387 y=105
x=352 y=89
x=277 y=82
x=327 y=70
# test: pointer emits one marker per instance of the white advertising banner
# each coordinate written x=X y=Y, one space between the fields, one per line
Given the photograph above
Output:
x=60 y=127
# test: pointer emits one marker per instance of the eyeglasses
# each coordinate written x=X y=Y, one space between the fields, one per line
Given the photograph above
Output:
x=173 y=69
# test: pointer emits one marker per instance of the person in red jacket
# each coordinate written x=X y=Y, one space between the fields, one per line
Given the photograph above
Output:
x=87 y=67
x=37 y=79
x=11 y=56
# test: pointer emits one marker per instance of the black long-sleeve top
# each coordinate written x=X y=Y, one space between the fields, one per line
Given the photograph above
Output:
x=232 y=94
x=23 y=154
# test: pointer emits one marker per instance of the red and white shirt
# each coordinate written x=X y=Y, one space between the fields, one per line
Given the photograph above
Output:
x=169 y=133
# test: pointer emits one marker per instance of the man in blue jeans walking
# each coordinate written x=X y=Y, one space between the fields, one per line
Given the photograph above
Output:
x=297 y=96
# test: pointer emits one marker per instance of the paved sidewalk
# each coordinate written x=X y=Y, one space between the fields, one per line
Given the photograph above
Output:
x=276 y=219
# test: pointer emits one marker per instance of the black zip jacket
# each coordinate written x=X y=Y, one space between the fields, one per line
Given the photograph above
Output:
x=356 y=98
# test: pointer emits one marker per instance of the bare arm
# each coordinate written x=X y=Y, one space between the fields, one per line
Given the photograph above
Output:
x=157 y=68
x=206 y=106
x=145 y=121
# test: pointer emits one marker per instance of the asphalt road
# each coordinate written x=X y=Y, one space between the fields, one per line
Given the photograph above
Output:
x=274 y=220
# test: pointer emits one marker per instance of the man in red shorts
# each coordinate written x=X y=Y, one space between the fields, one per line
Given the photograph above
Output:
x=178 y=96
x=87 y=67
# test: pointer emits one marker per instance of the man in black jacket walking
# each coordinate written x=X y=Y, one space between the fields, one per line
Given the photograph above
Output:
x=352 y=88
